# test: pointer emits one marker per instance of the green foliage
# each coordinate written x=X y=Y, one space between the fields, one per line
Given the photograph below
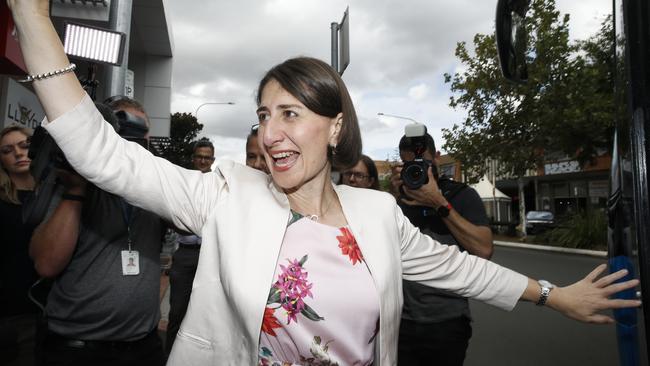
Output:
x=183 y=132
x=384 y=184
x=583 y=230
x=567 y=104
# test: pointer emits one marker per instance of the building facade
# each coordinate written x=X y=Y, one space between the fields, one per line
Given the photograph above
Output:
x=147 y=56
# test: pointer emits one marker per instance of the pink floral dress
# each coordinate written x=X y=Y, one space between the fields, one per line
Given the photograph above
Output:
x=323 y=308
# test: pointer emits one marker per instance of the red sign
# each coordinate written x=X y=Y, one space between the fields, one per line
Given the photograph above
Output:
x=11 y=59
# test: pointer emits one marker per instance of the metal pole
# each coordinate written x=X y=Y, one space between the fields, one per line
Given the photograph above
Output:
x=335 y=45
x=120 y=21
x=400 y=117
x=196 y=114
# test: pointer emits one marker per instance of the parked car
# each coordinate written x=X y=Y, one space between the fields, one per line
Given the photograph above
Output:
x=539 y=221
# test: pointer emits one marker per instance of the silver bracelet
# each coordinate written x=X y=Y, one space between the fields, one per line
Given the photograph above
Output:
x=65 y=70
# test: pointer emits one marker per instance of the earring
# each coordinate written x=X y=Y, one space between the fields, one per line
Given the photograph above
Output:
x=333 y=148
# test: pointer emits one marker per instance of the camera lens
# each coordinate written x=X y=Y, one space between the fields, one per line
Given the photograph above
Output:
x=414 y=174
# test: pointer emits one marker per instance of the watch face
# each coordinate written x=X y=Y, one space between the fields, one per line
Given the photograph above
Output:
x=545 y=283
x=443 y=211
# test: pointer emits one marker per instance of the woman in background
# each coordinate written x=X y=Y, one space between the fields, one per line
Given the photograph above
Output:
x=362 y=175
x=17 y=312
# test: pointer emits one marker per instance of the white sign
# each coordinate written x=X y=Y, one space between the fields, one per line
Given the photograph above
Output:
x=561 y=167
x=128 y=83
x=21 y=107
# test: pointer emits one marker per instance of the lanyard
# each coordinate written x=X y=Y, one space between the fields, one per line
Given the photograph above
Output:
x=127 y=215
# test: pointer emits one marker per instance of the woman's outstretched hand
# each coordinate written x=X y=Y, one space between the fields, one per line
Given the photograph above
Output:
x=585 y=299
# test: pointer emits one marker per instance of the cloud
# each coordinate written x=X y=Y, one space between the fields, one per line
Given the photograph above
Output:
x=399 y=52
x=418 y=92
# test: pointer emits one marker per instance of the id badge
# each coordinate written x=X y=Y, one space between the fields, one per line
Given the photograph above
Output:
x=130 y=263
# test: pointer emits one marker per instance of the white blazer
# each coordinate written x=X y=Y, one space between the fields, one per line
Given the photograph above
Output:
x=242 y=218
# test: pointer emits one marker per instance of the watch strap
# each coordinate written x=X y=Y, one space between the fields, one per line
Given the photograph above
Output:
x=544 y=292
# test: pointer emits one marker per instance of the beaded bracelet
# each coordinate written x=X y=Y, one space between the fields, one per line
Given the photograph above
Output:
x=65 y=70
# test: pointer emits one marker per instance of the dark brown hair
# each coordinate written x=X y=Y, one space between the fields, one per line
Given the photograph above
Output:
x=372 y=170
x=316 y=85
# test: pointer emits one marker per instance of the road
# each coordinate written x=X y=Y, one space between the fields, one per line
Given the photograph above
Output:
x=531 y=335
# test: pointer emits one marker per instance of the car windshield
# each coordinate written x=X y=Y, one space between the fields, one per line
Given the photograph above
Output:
x=539 y=215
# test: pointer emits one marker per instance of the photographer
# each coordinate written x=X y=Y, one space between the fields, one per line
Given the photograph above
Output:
x=103 y=254
x=435 y=327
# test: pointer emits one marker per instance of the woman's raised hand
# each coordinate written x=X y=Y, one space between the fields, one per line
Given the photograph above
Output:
x=585 y=299
x=43 y=53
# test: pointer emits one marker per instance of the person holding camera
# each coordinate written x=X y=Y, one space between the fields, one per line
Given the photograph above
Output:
x=435 y=327
x=293 y=269
x=103 y=254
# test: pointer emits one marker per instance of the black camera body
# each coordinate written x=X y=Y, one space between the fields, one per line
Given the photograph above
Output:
x=132 y=128
x=415 y=173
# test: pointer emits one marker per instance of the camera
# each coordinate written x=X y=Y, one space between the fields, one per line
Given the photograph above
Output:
x=47 y=158
x=132 y=128
x=415 y=173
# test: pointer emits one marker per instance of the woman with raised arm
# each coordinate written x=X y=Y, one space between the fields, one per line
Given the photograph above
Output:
x=293 y=270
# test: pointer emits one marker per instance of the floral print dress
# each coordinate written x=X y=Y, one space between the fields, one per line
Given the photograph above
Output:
x=323 y=308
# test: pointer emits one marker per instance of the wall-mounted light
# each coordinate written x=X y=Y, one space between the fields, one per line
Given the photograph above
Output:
x=93 y=44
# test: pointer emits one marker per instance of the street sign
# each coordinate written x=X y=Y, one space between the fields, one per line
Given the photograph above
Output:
x=129 y=83
x=344 y=38
x=340 y=33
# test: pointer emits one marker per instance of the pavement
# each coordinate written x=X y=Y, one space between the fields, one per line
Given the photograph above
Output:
x=513 y=243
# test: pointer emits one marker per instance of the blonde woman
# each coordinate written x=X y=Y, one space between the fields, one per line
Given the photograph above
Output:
x=17 y=313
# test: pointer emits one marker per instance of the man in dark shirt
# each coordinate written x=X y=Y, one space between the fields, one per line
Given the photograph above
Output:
x=435 y=327
x=104 y=257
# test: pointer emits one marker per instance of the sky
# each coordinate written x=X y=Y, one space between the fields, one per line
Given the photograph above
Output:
x=399 y=53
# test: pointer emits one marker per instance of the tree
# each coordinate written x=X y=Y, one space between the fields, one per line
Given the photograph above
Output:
x=516 y=124
x=182 y=136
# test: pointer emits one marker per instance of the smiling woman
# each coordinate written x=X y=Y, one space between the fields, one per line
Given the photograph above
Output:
x=293 y=270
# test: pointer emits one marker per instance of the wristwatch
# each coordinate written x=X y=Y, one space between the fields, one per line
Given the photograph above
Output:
x=443 y=211
x=545 y=288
